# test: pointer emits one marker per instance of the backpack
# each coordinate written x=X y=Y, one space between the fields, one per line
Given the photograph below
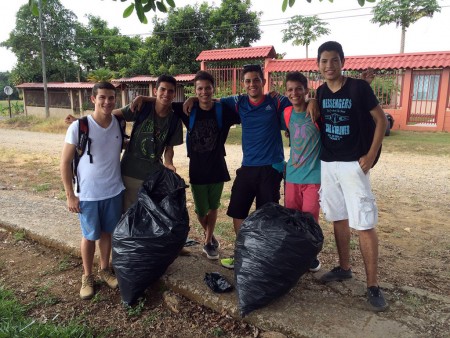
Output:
x=367 y=127
x=84 y=144
x=287 y=118
x=192 y=116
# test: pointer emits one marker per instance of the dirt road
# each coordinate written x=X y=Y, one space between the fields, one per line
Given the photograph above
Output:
x=413 y=197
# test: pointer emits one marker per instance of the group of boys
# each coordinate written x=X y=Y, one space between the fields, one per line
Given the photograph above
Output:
x=326 y=153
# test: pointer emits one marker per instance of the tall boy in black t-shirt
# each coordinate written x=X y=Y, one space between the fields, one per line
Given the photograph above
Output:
x=348 y=108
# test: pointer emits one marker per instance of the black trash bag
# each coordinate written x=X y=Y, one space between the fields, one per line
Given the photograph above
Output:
x=274 y=248
x=217 y=282
x=150 y=234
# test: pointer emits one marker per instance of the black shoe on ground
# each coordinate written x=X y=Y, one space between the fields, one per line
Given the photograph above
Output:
x=210 y=251
x=376 y=299
x=315 y=265
x=337 y=274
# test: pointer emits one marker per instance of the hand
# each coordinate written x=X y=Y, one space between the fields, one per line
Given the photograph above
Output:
x=171 y=167
x=137 y=103
x=73 y=204
x=273 y=93
x=368 y=75
x=69 y=119
x=366 y=162
x=187 y=105
x=313 y=110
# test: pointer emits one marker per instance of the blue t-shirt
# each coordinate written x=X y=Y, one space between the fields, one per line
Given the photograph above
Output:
x=261 y=125
x=303 y=166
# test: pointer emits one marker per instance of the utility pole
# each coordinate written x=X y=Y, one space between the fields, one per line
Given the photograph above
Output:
x=44 y=68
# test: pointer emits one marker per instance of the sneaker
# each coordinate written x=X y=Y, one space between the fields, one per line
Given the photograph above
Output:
x=315 y=265
x=210 y=251
x=215 y=242
x=337 y=274
x=227 y=262
x=376 y=299
x=87 y=287
x=106 y=276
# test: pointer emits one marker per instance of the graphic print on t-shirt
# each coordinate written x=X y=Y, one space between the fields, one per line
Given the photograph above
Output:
x=204 y=136
x=337 y=117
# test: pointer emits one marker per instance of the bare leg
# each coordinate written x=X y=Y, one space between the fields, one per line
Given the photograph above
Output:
x=342 y=237
x=204 y=223
x=104 y=245
x=368 y=243
x=87 y=255
x=210 y=224
x=237 y=224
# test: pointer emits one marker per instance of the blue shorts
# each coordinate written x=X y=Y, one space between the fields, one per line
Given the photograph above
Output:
x=100 y=216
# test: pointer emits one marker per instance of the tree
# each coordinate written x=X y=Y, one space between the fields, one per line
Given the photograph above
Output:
x=59 y=26
x=303 y=30
x=403 y=13
x=99 y=46
x=292 y=2
x=177 y=40
x=100 y=75
x=234 y=25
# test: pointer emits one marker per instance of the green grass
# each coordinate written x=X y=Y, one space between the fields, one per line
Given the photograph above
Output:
x=15 y=323
x=417 y=142
x=16 y=107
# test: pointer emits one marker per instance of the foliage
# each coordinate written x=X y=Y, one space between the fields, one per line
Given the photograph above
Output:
x=292 y=2
x=5 y=81
x=24 y=41
x=303 y=30
x=144 y=6
x=99 y=46
x=101 y=74
x=403 y=13
x=177 y=40
x=384 y=88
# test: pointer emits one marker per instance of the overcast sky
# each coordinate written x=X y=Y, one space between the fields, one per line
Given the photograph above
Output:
x=349 y=24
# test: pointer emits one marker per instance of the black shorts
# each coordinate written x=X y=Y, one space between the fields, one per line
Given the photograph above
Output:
x=262 y=183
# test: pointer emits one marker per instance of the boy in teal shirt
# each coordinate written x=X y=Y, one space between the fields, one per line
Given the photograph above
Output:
x=303 y=167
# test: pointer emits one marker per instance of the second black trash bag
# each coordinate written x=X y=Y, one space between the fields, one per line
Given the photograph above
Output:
x=273 y=249
x=150 y=234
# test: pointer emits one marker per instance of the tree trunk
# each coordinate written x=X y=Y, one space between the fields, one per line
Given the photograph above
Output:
x=402 y=41
x=306 y=51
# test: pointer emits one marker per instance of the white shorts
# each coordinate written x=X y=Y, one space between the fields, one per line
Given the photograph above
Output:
x=345 y=193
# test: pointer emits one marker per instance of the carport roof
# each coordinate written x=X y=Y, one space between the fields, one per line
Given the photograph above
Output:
x=237 y=53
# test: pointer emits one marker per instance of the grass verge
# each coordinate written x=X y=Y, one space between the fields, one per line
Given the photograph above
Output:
x=15 y=323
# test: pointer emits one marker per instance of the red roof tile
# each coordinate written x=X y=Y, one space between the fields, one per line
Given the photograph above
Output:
x=387 y=61
x=148 y=78
x=237 y=53
x=59 y=85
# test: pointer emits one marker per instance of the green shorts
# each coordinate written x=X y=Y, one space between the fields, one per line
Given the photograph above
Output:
x=206 y=197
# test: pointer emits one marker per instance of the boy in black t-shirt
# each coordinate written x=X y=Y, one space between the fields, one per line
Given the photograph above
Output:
x=348 y=108
x=208 y=170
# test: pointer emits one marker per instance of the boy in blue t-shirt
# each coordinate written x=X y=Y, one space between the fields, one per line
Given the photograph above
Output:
x=302 y=180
